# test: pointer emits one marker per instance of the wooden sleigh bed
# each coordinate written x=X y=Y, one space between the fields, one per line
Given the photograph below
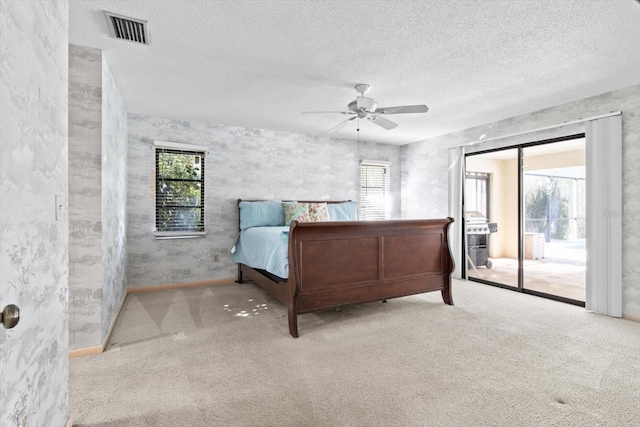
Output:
x=337 y=263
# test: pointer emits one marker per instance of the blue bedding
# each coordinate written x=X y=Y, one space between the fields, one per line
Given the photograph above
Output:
x=264 y=248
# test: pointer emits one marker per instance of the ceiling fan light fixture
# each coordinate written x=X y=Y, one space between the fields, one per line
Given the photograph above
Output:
x=366 y=103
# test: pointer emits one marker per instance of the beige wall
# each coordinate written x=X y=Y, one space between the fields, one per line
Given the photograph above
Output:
x=510 y=208
x=500 y=198
x=503 y=187
x=564 y=159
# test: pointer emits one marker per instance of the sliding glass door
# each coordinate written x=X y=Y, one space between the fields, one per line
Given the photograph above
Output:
x=554 y=187
x=492 y=220
x=525 y=218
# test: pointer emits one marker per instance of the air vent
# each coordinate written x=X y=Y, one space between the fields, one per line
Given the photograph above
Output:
x=125 y=28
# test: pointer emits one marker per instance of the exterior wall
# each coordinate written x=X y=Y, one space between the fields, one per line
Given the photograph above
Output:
x=499 y=210
x=562 y=159
x=241 y=163
x=509 y=227
x=85 y=206
x=114 y=199
x=34 y=248
x=425 y=179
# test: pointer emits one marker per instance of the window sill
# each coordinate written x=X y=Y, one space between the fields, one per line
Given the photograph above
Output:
x=168 y=235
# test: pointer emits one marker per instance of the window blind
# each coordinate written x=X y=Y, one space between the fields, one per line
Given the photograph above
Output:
x=375 y=191
x=179 y=191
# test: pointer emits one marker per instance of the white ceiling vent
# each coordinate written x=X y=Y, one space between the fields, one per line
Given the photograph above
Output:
x=125 y=28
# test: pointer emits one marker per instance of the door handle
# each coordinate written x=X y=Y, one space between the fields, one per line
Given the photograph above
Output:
x=10 y=316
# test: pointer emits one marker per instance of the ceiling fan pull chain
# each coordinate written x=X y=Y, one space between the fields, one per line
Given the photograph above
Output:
x=358 y=131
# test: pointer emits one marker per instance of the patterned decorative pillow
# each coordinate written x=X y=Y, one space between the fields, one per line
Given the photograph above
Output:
x=295 y=212
x=318 y=212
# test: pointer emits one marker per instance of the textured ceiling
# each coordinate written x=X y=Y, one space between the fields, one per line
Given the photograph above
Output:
x=259 y=64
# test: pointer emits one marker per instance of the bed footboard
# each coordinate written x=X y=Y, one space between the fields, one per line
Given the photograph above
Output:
x=337 y=263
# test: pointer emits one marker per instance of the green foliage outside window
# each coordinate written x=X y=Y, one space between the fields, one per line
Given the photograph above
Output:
x=545 y=206
x=179 y=190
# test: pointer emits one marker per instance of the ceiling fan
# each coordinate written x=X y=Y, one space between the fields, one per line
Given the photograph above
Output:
x=366 y=108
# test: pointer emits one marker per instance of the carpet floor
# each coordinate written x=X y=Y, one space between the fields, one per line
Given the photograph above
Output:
x=223 y=356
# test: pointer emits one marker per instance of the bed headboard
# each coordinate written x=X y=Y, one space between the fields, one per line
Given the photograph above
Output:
x=267 y=213
x=299 y=201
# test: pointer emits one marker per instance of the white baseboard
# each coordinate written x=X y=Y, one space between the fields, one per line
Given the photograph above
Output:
x=97 y=349
x=115 y=318
x=85 y=351
x=181 y=285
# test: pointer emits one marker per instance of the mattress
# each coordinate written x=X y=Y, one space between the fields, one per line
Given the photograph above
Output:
x=264 y=248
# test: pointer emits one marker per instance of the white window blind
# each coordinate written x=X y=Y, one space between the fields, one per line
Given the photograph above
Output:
x=375 y=190
x=179 y=191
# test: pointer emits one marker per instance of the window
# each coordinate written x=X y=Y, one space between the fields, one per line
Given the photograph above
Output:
x=476 y=195
x=179 y=190
x=375 y=190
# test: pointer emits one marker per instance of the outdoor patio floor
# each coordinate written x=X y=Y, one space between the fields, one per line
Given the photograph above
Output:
x=561 y=272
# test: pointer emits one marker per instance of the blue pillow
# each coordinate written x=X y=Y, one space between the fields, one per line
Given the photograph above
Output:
x=261 y=214
x=345 y=211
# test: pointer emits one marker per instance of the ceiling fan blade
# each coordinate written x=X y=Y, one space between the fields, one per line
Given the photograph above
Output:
x=403 y=109
x=342 y=124
x=328 y=112
x=382 y=122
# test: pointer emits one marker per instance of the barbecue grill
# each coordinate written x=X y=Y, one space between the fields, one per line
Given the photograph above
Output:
x=478 y=231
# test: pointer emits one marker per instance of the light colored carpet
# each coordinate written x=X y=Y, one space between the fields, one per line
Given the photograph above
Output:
x=222 y=356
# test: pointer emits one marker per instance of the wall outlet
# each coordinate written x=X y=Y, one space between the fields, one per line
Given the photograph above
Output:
x=216 y=258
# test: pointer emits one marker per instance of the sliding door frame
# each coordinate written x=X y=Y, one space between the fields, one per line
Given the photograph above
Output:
x=520 y=287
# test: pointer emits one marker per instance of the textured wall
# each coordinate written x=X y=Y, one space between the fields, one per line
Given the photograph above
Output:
x=85 y=207
x=424 y=169
x=33 y=244
x=97 y=196
x=241 y=163
x=114 y=198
